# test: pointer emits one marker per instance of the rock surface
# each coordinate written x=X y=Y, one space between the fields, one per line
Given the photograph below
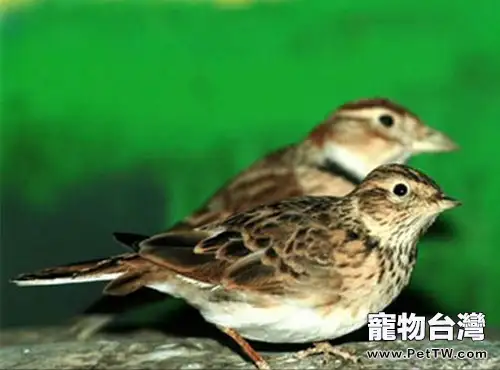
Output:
x=56 y=348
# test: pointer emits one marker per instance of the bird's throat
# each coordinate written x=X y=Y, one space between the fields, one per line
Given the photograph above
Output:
x=334 y=156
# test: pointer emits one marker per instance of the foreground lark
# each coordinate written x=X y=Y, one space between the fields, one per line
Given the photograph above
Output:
x=255 y=274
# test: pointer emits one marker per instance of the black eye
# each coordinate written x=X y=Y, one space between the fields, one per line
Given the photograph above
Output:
x=386 y=120
x=400 y=190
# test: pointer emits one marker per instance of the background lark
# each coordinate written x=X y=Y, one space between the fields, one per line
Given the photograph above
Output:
x=331 y=160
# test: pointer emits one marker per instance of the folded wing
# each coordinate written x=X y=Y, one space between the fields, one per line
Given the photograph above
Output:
x=271 y=249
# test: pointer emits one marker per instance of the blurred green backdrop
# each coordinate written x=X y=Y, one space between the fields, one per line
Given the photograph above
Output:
x=126 y=115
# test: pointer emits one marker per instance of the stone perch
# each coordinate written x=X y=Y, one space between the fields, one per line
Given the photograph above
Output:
x=56 y=348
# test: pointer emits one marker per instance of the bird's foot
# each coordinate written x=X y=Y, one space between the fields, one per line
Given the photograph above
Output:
x=327 y=350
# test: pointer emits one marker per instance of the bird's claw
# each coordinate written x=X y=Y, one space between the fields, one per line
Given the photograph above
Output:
x=327 y=350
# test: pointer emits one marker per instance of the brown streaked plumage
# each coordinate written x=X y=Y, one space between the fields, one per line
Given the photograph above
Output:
x=331 y=160
x=254 y=275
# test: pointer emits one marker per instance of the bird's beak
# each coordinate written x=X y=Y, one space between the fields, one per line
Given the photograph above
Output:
x=433 y=141
x=445 y=202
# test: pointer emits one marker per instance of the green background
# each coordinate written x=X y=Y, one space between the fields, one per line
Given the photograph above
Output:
x=126 y=115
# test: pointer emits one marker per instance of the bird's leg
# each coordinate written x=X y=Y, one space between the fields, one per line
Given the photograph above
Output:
x=327 y=350
x=257 y=359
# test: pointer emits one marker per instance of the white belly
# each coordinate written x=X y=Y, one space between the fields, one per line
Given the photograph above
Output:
x=288 y=323
x=285 y=324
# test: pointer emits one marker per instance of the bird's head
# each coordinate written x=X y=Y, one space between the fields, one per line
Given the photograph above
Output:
x=364 y=134
x=396 y=198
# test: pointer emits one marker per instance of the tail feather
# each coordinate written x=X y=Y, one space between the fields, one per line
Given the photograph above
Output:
x=88 y=271
x=81 y=272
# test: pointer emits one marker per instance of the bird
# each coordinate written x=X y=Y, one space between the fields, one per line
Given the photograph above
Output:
x=254 y=275
x=331 y=160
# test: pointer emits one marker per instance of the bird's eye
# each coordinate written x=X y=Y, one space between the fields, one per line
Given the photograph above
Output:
x=386 y=120
x=400 y=190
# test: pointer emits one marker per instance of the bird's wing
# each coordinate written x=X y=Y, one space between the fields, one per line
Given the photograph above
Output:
x=273 y=249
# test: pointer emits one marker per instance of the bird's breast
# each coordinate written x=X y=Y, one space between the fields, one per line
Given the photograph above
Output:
x=319 y=183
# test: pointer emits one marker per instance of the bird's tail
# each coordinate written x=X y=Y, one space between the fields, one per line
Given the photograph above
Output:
x=80 y=272
x=119 y=269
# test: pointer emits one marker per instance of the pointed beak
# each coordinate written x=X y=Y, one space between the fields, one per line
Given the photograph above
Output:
x=434 y=141
x=445 y=202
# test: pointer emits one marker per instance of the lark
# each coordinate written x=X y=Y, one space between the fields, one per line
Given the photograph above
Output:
x=331 y=160
x=255 y=274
